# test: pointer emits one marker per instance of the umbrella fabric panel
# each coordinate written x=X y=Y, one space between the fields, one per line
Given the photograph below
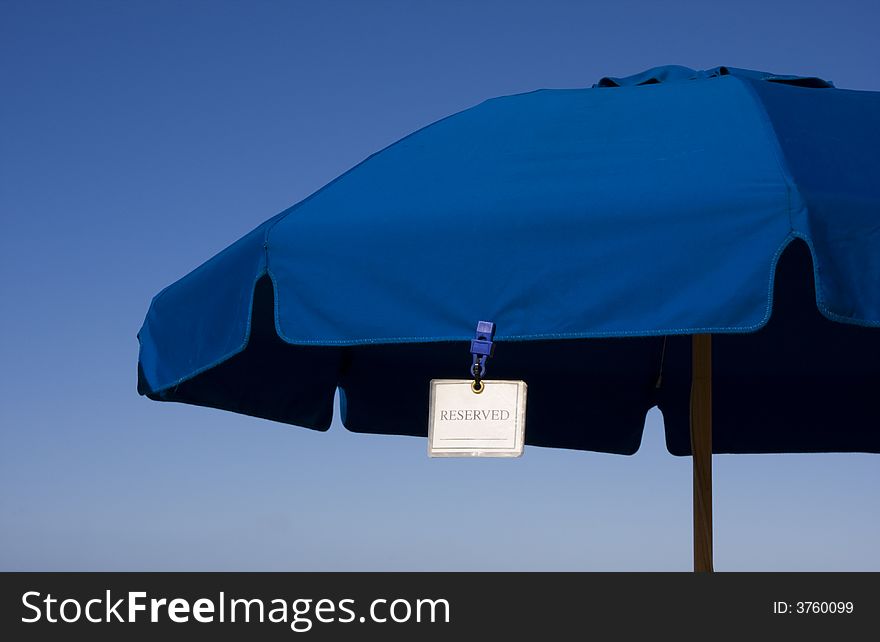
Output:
x=802 y=383
x=204 y=318
x=267 y=378
x=830 y=141
x=566 y=213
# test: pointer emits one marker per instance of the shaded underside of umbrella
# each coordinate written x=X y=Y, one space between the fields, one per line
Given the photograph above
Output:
x=598 y=228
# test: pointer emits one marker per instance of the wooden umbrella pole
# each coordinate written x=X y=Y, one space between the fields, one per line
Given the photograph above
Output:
x=701 y=449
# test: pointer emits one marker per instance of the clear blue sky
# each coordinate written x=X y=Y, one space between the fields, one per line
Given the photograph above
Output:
x=139 y=138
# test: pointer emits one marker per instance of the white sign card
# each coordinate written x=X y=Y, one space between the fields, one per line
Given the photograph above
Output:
x=463 y=423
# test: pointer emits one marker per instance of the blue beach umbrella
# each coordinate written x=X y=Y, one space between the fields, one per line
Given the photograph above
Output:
x=703 y=241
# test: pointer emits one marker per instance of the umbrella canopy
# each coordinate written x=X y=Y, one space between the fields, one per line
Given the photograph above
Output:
x=738 y=203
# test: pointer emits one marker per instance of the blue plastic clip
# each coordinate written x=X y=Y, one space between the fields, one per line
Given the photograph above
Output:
x=482 y=347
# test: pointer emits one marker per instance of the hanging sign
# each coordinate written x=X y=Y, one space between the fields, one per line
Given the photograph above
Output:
x=464 y=423
x=477 y=417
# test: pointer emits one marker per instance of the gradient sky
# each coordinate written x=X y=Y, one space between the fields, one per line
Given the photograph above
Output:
x=139 y=138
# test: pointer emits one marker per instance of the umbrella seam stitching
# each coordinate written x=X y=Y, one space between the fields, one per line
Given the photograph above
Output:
x=778 y=155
